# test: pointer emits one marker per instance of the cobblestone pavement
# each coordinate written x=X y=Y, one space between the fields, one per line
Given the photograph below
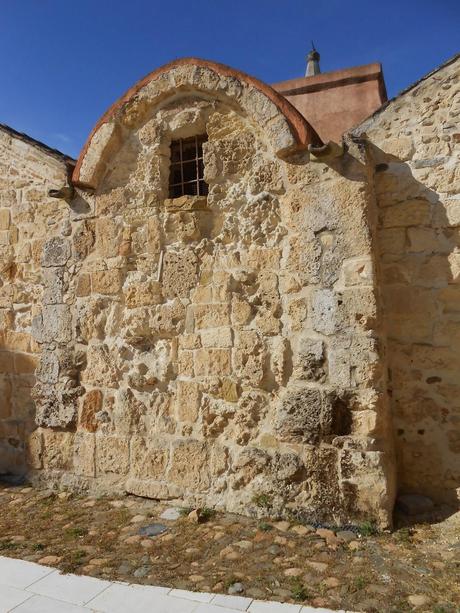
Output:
x=207 y=557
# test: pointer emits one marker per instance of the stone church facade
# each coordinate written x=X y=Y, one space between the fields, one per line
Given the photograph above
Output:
x=227 y=302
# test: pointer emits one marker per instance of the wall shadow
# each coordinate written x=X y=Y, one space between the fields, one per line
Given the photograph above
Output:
x=17 y=408
x=418 y=243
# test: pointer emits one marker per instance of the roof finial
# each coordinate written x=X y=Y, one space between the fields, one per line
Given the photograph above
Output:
x=312 y=62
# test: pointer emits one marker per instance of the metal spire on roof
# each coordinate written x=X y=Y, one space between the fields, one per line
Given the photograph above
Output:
x=312 y=62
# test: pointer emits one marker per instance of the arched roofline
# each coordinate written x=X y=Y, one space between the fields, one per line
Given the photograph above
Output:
x=301 y=131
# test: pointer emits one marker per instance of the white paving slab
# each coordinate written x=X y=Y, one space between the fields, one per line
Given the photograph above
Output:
x=195 y=596
x=262 y=606
x=212 y=608
x=120 y=598
x=30 y=588
x=11 y=597
x=21 y=574
x=42 y=604
x=239 y=603
x=69 y=588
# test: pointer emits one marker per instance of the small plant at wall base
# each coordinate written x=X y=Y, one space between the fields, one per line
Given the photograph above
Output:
x=368 y=528
x=263 y=501
x=298 y=591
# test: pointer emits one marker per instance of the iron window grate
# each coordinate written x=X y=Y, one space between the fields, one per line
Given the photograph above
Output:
x=186 y=173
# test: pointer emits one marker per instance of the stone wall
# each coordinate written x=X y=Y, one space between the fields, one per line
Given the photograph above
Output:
x=414 y=145
x=223 y=351
x=27 y=217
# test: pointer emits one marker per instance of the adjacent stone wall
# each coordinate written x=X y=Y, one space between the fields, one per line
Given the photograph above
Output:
x=223 y=350
x=414 y=144
x=27 y=218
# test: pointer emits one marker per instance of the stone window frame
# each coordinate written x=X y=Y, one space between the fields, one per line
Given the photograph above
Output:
x=192 y=165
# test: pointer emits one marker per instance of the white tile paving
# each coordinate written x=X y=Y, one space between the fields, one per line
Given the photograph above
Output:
x=262 y=606
x=11 y=597
x=21 y=574
x=195 y=596
x=30 y=588
x=238 y=603
x=42 y=604
x=71 y=588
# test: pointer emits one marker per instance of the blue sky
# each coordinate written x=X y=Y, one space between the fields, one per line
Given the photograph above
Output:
x=63 y=63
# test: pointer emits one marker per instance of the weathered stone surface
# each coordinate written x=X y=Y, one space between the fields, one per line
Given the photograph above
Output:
x=237 y=344
x=179 y=273
x=56 y=252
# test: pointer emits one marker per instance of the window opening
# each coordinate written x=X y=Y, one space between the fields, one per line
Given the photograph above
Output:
x=186 y=174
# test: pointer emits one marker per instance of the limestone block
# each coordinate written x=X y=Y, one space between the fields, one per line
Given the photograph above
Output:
x=148 y=459
x=190 y=465
x=211 y=315
x=4 y=219
x=55 y=285
x=188 y=400
x=34 y=449
x=249 y=356
x=102 y=141
x=189 y=341
x=267 y=322
x=300 y=416
x=56 y=405
x=410 y=213
x=360 y=307
x=100 y=369
x=112 y=455
x=297 y=311
x=202 y=294
x=107 y=237
x=241 y=310
x=210 y=362
x=167 y=319
x=402 y=147
x=56 y=252
x=83 y=240
x=325 y=315
x=185 y=365
x=310 y=364
x=392 y=240
x=48 y=367
x=217 y=337
x=266 y=176
x=15 y=341
x=185 y=203
x=90 y=405
x=339 y=361
x=83 y=285
x=127 y=411
x=358 y=271
x=281 y=360
x=106 y=281
x=53 y=324
x=159 y=490
x=84 y=454
x=57 y=449
x=179 y=273
x=229 y=390
x=153 y=239
x=422 y=240
x=234 y=152
x=143 y=294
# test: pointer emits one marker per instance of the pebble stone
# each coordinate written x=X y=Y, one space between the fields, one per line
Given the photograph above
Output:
x=171 y=514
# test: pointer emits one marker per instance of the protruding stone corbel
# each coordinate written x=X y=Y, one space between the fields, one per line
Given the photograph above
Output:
x=325 y=153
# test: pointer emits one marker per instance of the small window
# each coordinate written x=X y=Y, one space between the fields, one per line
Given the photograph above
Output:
x=186 y=175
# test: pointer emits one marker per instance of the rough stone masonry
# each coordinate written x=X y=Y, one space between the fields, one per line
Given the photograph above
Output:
x=291 y=337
